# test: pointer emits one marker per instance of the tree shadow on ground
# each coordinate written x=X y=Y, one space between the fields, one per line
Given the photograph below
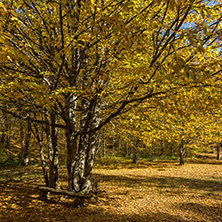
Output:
x=20 y=200
x=207 y=158
x=22 y=204
x=213 y=213
x=160 y=182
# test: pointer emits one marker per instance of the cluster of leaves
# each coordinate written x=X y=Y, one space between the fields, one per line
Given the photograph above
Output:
x=158 y=59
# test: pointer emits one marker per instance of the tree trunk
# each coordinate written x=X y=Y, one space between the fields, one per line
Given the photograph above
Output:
x=79 y=165
x=5 y=138
x=136 y=152
x=153 y=148
x=100 y=146
x=171 y=149
x=71 y=141
x=85 y=157
x=84 y=162
x=43 y=164
x=41 y=152
x=90 y=158
x=135 y=156
x=71 y=144
x=53 y=151
x=113 y=147
x=104 y=143
x=218 y=150
x=119 y=146
x=54 y=165
x=182 y=152
x=126 y=149
x=162 y=147
x=22 y=138
x=27 y=142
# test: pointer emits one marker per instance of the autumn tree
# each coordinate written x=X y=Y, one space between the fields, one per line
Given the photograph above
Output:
x=90 y=61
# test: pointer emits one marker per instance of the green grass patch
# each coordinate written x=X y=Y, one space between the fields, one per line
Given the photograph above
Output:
x=159 y=158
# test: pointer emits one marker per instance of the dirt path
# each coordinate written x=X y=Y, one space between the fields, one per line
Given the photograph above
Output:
x=148 y=191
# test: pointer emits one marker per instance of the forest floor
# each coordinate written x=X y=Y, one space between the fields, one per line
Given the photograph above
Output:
x=147 y=191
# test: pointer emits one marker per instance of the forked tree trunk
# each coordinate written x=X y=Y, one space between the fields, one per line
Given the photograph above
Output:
x=84 y=160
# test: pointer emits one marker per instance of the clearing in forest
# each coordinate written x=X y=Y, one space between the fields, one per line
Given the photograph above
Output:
x=147 y=191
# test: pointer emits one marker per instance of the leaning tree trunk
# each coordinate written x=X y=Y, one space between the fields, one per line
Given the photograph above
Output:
x=182 y=151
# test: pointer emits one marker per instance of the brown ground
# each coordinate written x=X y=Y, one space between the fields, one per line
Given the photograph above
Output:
x=148 y=191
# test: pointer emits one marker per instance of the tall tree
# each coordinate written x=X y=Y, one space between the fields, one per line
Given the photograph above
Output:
x=90 y=61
